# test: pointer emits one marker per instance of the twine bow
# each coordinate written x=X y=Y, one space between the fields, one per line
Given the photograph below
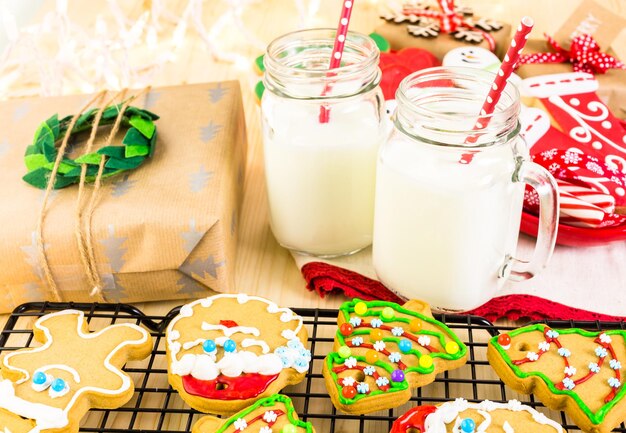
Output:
x=450 y=20
x=584 y=54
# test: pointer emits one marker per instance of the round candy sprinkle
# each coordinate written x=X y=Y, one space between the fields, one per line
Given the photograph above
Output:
x=426 y=361
x=344 y=352
x=415 y=325
x=360 y=308
x=348 y=391
x=376 y=335
x=504 y=340
x=397 y=376
x=39 y=378
x=209 y=346
x=387 y=313
x=371 y=356
x=289 y=428
x=230 y=345
x=346 y=329
x=452 y=347
x=468 y=425
x=405 y=345
x=58 y=385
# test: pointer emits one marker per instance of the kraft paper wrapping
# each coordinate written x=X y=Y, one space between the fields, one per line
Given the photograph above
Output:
x=609 y=31
x=165 y=230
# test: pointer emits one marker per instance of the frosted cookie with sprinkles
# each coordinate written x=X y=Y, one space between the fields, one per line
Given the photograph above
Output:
x=227 y=351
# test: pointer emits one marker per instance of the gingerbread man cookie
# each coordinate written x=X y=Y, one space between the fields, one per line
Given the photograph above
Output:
x=52 y=386
x=227 y=351
x=383 y=350
x=460 y=416
x=273 y=414
x=573 y=370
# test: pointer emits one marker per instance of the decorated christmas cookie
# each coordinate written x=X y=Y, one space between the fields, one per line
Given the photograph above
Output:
x=273 y=414
x=573 y=370
x=49 y=388
x=460 y=416
x=227 y=351
x=382 y=350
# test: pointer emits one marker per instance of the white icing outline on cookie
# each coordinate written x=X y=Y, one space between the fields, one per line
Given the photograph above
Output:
x=48 y=417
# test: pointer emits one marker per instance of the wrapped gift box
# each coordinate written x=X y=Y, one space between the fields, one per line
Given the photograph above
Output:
x=165 y=230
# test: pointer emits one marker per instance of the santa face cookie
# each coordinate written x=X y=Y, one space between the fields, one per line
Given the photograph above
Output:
x=52 y=386
x=273 y=414
x=227 y=351
x=460 y=416
x=382 y=350
x=573 y=370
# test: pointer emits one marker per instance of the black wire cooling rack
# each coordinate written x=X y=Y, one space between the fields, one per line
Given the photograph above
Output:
x=155 y=407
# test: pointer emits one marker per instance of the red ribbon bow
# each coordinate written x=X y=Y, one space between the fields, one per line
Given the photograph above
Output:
x=449 y=20
x=584 y=54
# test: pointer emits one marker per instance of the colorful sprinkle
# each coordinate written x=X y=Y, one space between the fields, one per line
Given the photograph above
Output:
x=346 y=329
x=350 y=362
x=39 y=378
x=209 y=346
x=387 y=313
x=348 y=391
x=240 y=424
x=379 y=346
x=426 y=361
x=376 y=323
x=289 y=428
x=376 y=335
x=532 y=356
x=423 y=340
x=363 y=388
x=544 y=346
x=397 y=376
x=615 y=364
x=270 y=416
x=360 y=308
x=601 y=352
x=382 y=381
x=58 y=385
x=594 y=367
x=614 y=382
x=564 y=352
x=355 y=321
x=394 y=357
x=570 y=371
x=369 y=370
x=605 y=338
x=397 y=331
x=371 y=356
x=504 y=340
x=230 y=345
x=357 y=341
x=344 y=352
x=405 y=345
x=468 y=425
x=415 y=325
x=348 y=381
x=452 y=347
x=551 y=333
x=568 y=383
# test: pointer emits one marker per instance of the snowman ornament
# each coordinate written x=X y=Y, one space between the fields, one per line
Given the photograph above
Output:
x=476 y=57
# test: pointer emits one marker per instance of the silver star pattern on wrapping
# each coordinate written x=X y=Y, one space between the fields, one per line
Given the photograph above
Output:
x=114 y=249
x=32 y=292
x=32 y=255
x=122 y=185
x=151 y=99
x=21 y=111
x=112 y=290
x=189 y=286
x=208 y=133
x=201 y=268
x=191 y=237
x=217 y=93
x=199 y=180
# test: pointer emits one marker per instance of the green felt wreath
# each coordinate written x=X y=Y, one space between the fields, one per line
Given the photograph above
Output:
x=137 y=145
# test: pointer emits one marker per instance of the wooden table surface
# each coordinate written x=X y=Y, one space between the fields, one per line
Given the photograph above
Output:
x=262 y=266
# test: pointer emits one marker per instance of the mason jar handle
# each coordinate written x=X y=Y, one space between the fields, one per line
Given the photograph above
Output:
x=544 y=184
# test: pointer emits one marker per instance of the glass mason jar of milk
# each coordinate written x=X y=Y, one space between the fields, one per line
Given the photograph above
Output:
x=448 y=209
x=321 y=174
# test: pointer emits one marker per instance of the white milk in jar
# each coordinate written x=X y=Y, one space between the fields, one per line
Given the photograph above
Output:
x=321 y=175
x=447 y=214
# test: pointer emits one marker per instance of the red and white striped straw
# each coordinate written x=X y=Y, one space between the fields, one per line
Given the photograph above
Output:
x=335 y=59
x=506 y=69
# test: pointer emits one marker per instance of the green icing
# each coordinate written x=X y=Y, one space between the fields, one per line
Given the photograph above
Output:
x=269 y=402
x=347 y=308
x=597 y=417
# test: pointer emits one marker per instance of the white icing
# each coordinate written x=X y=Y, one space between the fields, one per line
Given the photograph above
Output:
x=249 y=342
x=56 y=394
x=450 y=411
x=569 y=83
x=507 y=427
x=70 y=370
x=231 y=365
x=188 y=345
x=43 y=386
x=205 y=367
x=185 y=364
x=47 y=417
x=230 y=331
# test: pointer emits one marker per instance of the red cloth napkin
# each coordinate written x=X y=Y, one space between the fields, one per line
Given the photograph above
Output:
x=328 y=279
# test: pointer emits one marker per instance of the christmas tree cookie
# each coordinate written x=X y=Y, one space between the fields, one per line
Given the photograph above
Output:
x=484 y=417
x=382 y=350
x=50 y=387
x=573 y=370
x=273 y=414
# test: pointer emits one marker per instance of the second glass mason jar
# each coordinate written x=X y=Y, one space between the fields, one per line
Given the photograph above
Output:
x=321 y=174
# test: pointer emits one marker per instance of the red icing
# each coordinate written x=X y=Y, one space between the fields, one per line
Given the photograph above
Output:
x=246 y=386
x=413 y=419
x=405 y=335
x=228 y=323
